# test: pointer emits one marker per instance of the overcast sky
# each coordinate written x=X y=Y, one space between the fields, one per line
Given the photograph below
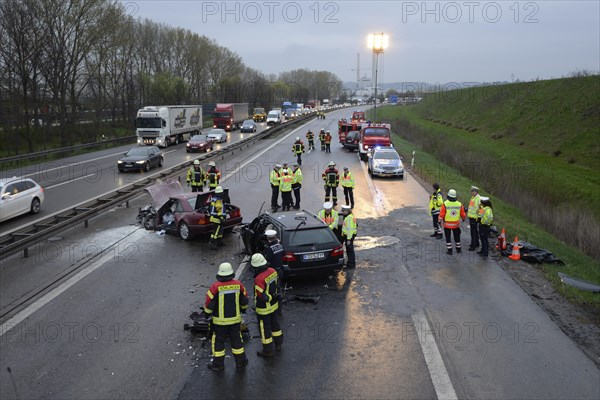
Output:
x=462 y=41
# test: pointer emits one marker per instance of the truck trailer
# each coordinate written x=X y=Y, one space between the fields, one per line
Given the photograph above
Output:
x=165 y=125
x=230 y=116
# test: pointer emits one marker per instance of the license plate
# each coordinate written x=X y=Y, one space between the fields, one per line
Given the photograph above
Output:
x=313 y=256
x=128 y=165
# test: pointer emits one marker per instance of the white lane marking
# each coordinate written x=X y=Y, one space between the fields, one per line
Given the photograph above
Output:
x=48 y=297
x=240 y=268
x=437 y=370
x=69 y=181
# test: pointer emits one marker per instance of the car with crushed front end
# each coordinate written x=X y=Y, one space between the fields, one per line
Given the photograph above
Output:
x=311 y=247
x=19 y=196
x=385 y=161
x=183 y=213
x=141 y=158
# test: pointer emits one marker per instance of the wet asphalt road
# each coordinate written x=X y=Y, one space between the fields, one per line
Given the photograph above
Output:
x=408 y=322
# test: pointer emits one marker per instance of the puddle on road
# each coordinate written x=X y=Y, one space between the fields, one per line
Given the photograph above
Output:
x=369 y=242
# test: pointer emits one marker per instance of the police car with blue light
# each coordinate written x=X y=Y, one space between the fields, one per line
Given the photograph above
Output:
x=385 y=161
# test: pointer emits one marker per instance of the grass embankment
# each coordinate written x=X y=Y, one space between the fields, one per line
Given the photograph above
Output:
x=541 y=174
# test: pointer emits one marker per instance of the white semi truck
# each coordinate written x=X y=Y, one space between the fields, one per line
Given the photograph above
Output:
x=165 y=125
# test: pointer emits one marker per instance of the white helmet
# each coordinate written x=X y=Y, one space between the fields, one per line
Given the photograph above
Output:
x=196 y=162
x=219 y=189
x=331 y=164
x=297 y=138
x=212 y=164
x=258 y=260
x=328 y=205
x=225 y=269
x=271 y=233
x=452 y=193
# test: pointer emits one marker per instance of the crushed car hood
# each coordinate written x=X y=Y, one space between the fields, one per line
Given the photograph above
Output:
x=160 y=192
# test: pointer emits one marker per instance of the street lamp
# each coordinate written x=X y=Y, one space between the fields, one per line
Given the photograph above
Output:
x=377 y=42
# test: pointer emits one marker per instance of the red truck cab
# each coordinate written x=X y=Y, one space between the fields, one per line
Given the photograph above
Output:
x=372 y=135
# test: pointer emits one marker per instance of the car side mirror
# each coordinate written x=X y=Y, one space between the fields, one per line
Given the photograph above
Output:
x=5 y=196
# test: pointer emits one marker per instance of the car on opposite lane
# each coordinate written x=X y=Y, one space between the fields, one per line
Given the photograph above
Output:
x=248 y=126
x=385 y=161
x=311 y=247
x=141 y=158
x=19 y=196
x=199 y=143
x=217 y=135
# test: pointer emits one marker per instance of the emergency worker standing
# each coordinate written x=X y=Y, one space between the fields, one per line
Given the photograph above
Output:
x=328 y=142
x=473 y=214
x=213 y=176
x=347 y=180
x=298 y=149
x=297 y=184
x=266 y=297
x=274 y=252
x=285 y=187
x=330 y=217
x=217 y=216
x=487 y=217
x=196 y=177
x=451 y=213
x=322 y=139
x=435 y=203
x=274 y=180
x=331 y=177
x=226 y=301
x=311 y=140
x=348 y=234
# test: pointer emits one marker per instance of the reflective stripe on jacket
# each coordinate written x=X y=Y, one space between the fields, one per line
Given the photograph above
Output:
x=213 y=176
x=298 y=147
x=332 y=219
x=298 y=176
x=331 y=177
x=266 y=285
x=451 y=213
x=196 y=177
x=435 y=202
x=347 y=180
x=274 y=178
x=225 y=302
x=487 y=216
x=473 y=211
x=349 y=226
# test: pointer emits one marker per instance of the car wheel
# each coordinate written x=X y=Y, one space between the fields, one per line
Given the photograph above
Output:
x=161 y=162
x=184 y=231
x=147 y=166
x=177 y=140
x=35 y=206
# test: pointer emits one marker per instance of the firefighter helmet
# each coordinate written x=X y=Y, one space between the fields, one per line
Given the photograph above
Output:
x=225 y=269
x=196 y=162
x=219 y=189
x=452 y=193
x=212 y=164
x=258 y=260
x=331 y=164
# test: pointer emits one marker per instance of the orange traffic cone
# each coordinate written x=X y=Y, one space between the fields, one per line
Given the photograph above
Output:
x=501 y=241
x=516 y=253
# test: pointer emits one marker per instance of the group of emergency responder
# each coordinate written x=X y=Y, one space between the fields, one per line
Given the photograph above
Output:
x=285 y=180
x=449 y=213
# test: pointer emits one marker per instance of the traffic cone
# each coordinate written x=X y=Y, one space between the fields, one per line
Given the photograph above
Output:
x=501 y=245
x=516 y=253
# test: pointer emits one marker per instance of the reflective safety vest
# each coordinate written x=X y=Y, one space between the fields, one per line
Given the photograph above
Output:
x=451 y=213
x=266 y=286
x=349 y=226
x=348 y=180
x=216 y=210
x=435 y=202
x=196 y=177
x=274 y=177
x=225 y=302
x=285 y=182
x=310 y=135
x=327 y=139
x=331 y=219
x=473 y=211
x=213 y=177
x=297 y=176
x=322 y=136
x=487 y=216
x=298 y=148
x=331 y=177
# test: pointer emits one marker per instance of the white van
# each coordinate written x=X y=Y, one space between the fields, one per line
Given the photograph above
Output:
x=274 y=118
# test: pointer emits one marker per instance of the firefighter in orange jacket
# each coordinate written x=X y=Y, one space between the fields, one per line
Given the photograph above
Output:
x=328 y=142
x=450 y=215
x=226 y=301
x=267 y=297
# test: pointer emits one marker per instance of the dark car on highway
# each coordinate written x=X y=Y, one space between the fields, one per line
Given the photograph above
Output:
x=311 y=247
x=141 y=158
x=199 y=143
x=183 y=213
x=248 y=126
x=351 y=140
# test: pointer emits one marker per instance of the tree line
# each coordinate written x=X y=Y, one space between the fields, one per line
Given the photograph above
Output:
x=66 y=60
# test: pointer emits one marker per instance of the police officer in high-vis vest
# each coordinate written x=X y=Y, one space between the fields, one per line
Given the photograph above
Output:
x=196 y=177
x=348 y=234
x=285 y=187
x=473 y=214
x=451 y=213
x=266 y=297
x=226 y=301
x=297 y=184
x=347 y=181
x=435 y=204
x=274 y=181
x=487 y=217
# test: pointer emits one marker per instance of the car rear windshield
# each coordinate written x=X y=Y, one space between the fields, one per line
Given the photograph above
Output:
x=377 y=132
x=304 y=237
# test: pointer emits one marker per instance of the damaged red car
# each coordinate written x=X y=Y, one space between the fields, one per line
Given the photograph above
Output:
x=183 y=213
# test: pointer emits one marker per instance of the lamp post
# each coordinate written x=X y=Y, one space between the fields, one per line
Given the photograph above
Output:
x=377 y=42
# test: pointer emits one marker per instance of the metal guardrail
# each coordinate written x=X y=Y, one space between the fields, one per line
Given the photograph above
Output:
x=23 y=239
